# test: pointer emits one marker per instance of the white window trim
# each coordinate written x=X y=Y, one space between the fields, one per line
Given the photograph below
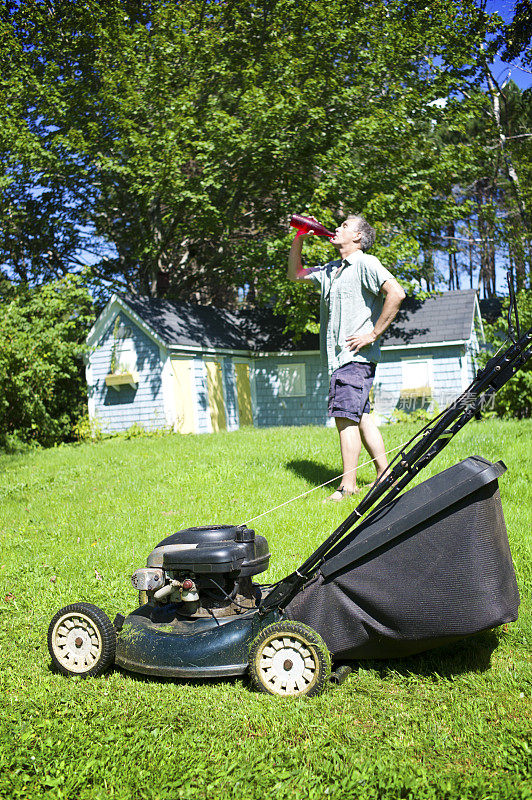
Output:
x=289 y=386
x=421 y=358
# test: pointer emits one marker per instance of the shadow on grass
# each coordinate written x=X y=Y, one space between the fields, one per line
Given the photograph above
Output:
x=138 y=677
x=315 y=473
x=472 y=654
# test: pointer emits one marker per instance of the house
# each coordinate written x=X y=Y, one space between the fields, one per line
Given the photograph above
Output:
x=429 y=353
x=198 y=369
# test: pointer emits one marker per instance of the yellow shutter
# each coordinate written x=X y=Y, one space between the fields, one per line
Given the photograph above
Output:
x=216 y=395
x=183 y=394
x=243 y=391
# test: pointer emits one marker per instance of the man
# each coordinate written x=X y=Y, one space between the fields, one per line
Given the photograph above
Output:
x=359 y=300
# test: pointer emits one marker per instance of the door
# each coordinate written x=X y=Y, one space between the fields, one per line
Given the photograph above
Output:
x=183 y=395
x=243 y=392
x=216 y=395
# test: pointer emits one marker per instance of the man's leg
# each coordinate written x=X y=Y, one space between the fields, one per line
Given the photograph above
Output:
x=350 y=445
x=374 y=444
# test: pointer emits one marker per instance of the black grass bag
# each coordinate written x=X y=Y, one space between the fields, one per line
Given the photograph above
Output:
x=433 y=566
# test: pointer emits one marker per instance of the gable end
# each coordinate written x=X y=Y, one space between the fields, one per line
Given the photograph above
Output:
x=113 y=307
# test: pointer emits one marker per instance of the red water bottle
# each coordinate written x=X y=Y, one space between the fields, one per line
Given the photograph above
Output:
x=306 y=224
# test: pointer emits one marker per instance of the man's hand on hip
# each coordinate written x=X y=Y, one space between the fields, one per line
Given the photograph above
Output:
x=357 y=341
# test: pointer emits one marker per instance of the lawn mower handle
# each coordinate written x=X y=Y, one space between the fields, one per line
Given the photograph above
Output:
x=416 y=454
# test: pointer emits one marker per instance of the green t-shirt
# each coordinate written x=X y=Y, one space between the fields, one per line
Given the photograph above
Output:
x=351 y=302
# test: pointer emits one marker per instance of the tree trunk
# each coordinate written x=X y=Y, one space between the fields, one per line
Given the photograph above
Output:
x=454 y=278
x=495 y=93
x=471 y=260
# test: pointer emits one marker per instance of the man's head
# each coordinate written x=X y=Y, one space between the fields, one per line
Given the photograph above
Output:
x=355 y=233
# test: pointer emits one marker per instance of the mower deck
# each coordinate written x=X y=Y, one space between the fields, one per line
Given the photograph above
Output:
x=153 y=642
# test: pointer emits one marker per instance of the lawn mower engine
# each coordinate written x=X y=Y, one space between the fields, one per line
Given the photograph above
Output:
x=198 y=617
x=204 y=572
x=198 y=609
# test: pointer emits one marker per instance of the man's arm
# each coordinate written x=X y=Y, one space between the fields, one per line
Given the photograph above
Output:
x=393 y=297
x=295 y=270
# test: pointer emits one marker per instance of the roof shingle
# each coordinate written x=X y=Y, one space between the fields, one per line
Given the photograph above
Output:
x=444 y=318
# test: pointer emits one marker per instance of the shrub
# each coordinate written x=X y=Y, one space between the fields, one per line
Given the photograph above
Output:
x=88 y=429
x=420 y=416
x=514 y=399
x=42 y=340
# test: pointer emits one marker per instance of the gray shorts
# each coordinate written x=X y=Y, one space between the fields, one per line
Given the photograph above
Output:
x=349 y=390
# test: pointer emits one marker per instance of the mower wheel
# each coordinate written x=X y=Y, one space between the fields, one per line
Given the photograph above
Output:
x=289 y=659
x=81 y=640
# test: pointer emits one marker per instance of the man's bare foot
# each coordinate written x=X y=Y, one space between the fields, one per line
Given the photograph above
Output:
x=341 y=494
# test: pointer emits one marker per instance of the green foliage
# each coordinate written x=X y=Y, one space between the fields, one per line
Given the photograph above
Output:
x=135 y=431
x=184 y=134
x=419 y=416
x=87 y=429
x=514 y=399
x=42 y=382
x=517 y=35
x=75 y=522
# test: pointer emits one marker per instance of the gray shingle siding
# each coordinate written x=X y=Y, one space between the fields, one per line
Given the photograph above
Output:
x=387 y=385
x=450 y=366
x=230 y=394
x=201 y=396
x=473 y=349
x=118 y=410
x=447 y=374
x=271 y=409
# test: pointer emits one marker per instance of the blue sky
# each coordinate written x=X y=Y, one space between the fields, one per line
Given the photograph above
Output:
x=502 y=70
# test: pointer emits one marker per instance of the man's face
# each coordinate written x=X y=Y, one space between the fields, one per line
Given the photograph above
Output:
x=346 y=233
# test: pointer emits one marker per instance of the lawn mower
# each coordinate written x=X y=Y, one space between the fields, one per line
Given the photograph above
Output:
x=424 y=568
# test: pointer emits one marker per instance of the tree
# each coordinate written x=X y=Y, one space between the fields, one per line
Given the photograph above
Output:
x=517 y=35
x=42 y=382
x=484 y=183
x=514 y=399
x=184 y=134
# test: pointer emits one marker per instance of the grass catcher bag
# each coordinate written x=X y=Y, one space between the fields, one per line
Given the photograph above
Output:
x=430 y=567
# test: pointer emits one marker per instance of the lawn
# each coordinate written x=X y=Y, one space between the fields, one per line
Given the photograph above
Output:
x=75 y=521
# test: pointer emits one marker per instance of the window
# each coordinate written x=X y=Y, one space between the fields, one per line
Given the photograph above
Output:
x=124 y=353
x=416 y=391
x=416 y=374
x=292 y=380
x=123 y=366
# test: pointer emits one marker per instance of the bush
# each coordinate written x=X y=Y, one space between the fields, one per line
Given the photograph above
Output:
x=42 y=340
x=88 y=429
x=515 y=398
x=420 y=416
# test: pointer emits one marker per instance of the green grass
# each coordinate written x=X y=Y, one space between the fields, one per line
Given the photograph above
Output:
x=453 y=723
